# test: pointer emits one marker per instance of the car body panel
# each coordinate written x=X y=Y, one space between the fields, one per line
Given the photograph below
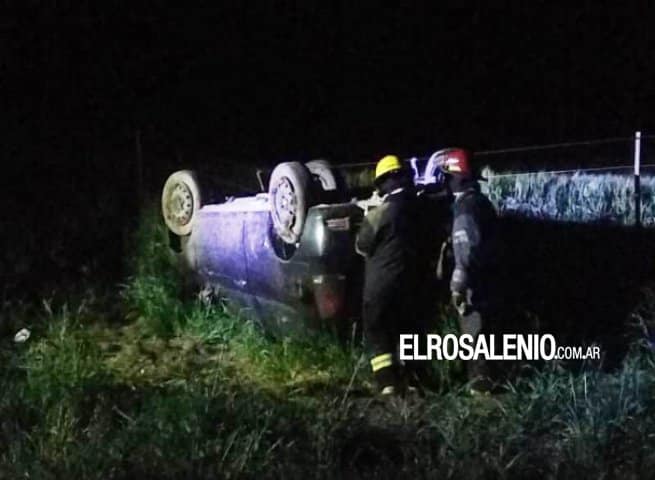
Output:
x=232 y=250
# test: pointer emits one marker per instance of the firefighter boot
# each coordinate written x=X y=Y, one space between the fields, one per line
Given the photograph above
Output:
x=477 y=370
x=385 y=372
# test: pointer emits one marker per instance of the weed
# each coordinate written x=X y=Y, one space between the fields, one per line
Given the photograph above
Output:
x=571 y=196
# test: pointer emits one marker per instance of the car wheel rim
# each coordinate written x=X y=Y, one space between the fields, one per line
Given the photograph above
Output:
x=286 y=204
x=180 y=204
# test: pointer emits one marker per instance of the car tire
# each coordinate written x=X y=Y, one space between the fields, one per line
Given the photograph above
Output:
x=332 y=184
x=432 y=174
x=180 y=201
x=290 y=195
x=322 y=170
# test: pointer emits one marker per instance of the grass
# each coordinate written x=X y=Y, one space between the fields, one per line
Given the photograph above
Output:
x=572 y=196
x=150 y=384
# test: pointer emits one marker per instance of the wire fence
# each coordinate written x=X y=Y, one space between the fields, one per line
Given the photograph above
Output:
x=555 y=146
x=619 y=193
x=616 y=194
x=523 y=149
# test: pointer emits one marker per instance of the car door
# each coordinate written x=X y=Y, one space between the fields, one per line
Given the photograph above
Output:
x=220 y=248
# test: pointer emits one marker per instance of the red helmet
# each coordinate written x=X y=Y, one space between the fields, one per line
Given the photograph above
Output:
x=456 y=161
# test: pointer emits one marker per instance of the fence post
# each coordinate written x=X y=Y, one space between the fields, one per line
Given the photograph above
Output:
x=637 y=179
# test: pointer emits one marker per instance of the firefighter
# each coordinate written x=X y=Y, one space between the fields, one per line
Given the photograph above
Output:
x=475 y=250
x=392 y=240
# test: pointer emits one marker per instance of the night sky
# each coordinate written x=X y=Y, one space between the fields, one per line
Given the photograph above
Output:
x=270 y=80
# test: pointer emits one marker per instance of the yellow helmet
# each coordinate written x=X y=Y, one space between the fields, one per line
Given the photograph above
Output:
x=388 y=164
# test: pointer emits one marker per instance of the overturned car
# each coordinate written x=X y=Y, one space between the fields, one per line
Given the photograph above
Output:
x=284 y=257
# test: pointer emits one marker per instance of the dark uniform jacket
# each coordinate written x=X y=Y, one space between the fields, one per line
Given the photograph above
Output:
x=475 y=243
x=397 y=239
